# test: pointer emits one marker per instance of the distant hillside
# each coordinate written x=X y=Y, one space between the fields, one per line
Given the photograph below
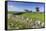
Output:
x=39 y=16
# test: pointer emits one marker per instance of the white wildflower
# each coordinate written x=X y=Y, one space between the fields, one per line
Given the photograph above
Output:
x=27 y=19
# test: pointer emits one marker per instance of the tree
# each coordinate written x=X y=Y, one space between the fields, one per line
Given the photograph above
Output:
x=37 y=9
x=26 y=10
x=30 y=11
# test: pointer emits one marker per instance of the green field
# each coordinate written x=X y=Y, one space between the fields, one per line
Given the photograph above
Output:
x=39 y=16
x=32 y=15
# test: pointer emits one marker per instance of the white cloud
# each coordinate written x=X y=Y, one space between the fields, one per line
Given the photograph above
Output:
x=11 y=6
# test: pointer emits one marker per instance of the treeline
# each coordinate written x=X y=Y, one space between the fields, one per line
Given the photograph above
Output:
x=37 y=10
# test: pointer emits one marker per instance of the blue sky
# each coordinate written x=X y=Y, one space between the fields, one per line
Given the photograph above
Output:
x=19 y=6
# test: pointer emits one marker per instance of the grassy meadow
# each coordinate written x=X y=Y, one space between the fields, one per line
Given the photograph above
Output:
x=13 y=24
